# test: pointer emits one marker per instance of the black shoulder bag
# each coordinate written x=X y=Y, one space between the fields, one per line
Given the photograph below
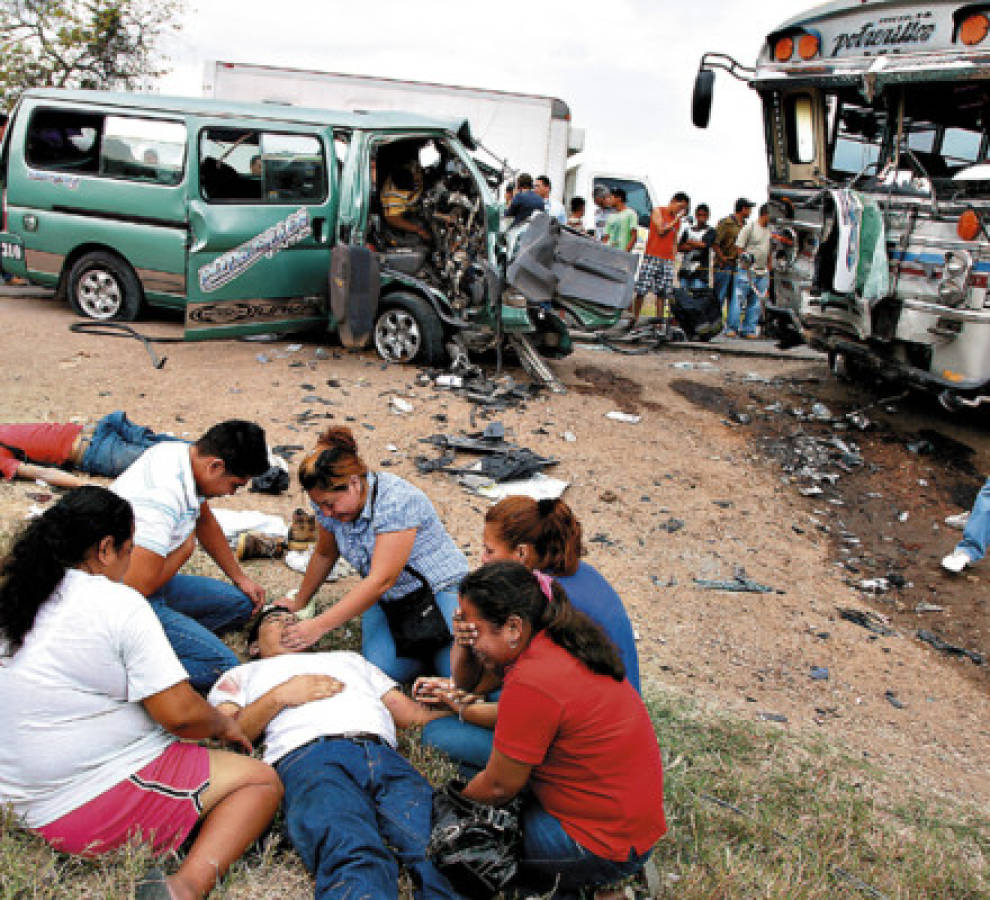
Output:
x=476 y=846
x=415 y=620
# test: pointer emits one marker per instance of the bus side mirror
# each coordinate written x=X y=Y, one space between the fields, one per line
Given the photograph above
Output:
x=701 y=100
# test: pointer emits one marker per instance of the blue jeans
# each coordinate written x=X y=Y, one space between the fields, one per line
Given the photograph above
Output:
x=749 y=289
x=549 y=852
x=461 y=741
x=193 y=610
x=976 y=535
x=116 y=443
x=346 y=803
x=378 y=647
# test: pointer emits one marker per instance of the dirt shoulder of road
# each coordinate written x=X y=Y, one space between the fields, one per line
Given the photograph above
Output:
x=690 y=492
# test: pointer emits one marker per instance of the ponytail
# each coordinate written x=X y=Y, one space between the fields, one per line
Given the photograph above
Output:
x=59 y=539
x=547 y=525
x=502 y=589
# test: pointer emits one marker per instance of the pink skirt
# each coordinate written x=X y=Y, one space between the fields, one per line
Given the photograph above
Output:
x=159 y=805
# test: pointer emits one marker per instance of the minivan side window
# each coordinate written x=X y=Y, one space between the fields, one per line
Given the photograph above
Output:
x=143 y=149
x=238 y=165
x=64 y=140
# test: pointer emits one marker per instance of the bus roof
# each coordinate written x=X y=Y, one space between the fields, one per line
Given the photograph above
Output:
x=893 y=40
x=198 y=106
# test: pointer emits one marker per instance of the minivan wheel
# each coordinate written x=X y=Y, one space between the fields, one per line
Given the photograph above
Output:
x=408 y=330
x=102 y=286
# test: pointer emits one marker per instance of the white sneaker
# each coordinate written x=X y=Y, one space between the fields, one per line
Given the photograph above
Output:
x=956 y=561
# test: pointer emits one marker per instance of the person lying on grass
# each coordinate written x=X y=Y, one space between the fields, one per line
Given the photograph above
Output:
x=93 y=701
x=353 y=805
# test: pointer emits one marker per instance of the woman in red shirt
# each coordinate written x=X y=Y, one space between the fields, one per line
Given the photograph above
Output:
x=570 y=727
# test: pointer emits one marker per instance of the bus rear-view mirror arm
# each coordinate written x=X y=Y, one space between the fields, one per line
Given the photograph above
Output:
x=704 y=84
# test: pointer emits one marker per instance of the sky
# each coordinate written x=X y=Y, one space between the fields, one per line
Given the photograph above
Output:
x=626 y=68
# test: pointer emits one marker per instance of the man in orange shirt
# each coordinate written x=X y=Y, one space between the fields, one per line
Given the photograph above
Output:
x=656 y=271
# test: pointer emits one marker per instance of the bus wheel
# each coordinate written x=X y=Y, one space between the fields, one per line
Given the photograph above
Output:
x=103 y=286
x=408 y=330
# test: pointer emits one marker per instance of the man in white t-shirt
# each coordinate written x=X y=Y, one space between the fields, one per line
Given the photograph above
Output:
x=753 y=275
x=328 y=721
x=168 y=487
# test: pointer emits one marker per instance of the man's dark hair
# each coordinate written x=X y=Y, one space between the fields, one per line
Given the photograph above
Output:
x=681 y=197
x=619 y=194
x=577 y=204
x=742 y=203
x=702 y=207
x=240 y=444
x=255 y=628
x=543 y=180
x=524 y=181
x=764 y=209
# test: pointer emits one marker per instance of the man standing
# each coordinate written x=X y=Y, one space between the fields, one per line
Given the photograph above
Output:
x=696 y=246
x=656 y=271
x=168 y=487
x=726 y=251
x=554 y=208
x=752 y=275
x=603 y=209
x=525 y=202
x=620 y=227
x=352 y=803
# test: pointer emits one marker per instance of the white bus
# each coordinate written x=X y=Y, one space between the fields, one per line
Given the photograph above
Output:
x=876 y=119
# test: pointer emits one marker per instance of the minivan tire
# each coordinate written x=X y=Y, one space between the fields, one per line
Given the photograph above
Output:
x=408 y=330
x=103 y=287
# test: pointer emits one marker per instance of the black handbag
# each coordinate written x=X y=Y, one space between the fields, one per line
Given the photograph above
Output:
x=476 y=846
x=416 y=621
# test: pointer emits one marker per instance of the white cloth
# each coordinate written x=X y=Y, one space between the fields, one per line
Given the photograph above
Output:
x=161 y=489
x=358 y=707
x=71 y=720
x=234 y=522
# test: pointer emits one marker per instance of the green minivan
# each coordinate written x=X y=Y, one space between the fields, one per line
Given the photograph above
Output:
x=256 y=218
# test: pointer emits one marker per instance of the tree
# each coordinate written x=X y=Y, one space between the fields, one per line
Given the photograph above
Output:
x=106 y=44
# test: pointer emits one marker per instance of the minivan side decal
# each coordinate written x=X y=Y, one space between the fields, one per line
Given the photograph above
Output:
x=56 y=178
x=234 y=263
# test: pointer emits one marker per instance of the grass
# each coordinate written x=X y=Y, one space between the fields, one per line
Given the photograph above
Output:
x=752 y=813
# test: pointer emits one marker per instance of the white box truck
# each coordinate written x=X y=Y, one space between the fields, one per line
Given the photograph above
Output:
x=528 y=132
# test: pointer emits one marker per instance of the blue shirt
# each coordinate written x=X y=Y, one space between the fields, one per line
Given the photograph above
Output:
x=589 y=592
x=524 y=204
x=399 y=506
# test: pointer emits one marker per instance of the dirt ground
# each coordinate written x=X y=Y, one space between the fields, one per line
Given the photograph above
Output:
x=704 y=485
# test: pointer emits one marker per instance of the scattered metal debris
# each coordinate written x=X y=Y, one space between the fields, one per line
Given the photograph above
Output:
x=501 y=460
x=929 y=637
x=871 y=621
x=739 y=582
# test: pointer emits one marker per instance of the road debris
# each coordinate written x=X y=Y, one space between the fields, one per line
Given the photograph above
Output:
x=929 y=637
x=865 y=618
x=739 y=582
x=891 y=698
x=618 y=416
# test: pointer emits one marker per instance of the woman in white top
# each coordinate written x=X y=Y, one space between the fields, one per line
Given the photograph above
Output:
x=89 y=691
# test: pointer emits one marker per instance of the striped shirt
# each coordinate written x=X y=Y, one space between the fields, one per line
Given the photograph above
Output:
x=161 y=489
x=399 y=506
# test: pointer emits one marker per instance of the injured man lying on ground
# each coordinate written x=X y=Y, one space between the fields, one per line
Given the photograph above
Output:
x=353 y=805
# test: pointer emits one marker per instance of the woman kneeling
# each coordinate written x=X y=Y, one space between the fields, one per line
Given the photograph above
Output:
x=570 y=726
x=89 y=691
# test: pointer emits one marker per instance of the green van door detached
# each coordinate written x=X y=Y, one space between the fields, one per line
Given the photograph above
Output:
x=260 y=226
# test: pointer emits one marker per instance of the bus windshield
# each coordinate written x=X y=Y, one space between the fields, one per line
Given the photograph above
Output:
x=939 y=134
